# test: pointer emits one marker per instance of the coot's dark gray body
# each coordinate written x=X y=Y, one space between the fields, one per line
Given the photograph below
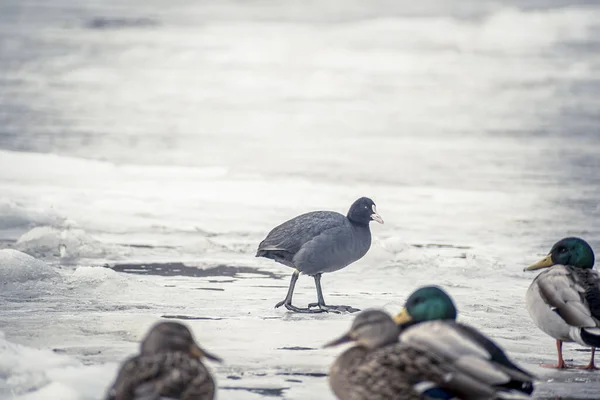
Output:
x=316 y=242
x=321 y=241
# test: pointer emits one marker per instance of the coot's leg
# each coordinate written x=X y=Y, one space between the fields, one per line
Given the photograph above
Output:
x=321 y=301
x=287 y=302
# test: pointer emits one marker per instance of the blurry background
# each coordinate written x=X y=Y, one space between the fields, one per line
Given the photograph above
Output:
x=183 y=131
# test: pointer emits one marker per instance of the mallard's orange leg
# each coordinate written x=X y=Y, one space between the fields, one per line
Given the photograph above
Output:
x=561 y=363
x=591 y=366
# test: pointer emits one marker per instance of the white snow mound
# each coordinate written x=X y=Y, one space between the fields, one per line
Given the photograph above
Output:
x=38 y=374
x=96 y=277
x=69 y=243
x=16 y=266
x=24 y=369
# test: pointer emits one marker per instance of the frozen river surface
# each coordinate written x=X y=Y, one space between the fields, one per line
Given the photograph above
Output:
x=164 y=142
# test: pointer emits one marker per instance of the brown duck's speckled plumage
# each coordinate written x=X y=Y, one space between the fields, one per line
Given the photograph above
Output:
x=169 y=366
x=176 y=375
x=390 y=372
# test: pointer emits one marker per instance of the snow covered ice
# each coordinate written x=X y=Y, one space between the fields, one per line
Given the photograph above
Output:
x=18 y=267
x=146 y=150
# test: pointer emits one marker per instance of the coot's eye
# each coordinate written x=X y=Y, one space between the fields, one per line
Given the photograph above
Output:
x=366 y=207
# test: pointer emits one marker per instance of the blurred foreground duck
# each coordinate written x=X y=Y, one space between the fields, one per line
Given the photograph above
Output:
x=318 y=242
x=169 y=366
x=434 y=357
x=564 y=300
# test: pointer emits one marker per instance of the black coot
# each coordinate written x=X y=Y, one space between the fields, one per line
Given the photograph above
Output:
x=320 y=241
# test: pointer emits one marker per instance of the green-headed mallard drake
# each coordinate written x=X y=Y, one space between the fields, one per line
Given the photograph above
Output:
x=564 y=300
x=433 y=357
x=428 y=320
x=169 y=365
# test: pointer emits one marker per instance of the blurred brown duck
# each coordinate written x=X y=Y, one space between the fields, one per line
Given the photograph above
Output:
x=378 y=367
x=169 y=365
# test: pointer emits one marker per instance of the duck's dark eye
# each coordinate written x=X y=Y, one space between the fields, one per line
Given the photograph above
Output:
x=418 y=300
x=563 y=250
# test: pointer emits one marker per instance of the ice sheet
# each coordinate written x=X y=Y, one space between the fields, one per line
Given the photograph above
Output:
x=146 y=151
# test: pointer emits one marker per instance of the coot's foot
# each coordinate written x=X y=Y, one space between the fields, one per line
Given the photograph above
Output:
x=290 y=307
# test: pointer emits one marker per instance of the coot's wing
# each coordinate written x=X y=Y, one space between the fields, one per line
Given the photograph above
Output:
x=332 y=250
x=289 y=237
x=471 y=359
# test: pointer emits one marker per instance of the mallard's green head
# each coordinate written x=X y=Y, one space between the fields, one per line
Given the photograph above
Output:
x=568 y=251
x=428 y=303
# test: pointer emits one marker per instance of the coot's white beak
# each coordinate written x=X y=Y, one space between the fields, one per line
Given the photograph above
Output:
x=375 y=216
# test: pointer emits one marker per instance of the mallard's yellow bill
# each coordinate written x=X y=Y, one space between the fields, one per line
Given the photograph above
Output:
x=543 y=263
x=402 y=317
